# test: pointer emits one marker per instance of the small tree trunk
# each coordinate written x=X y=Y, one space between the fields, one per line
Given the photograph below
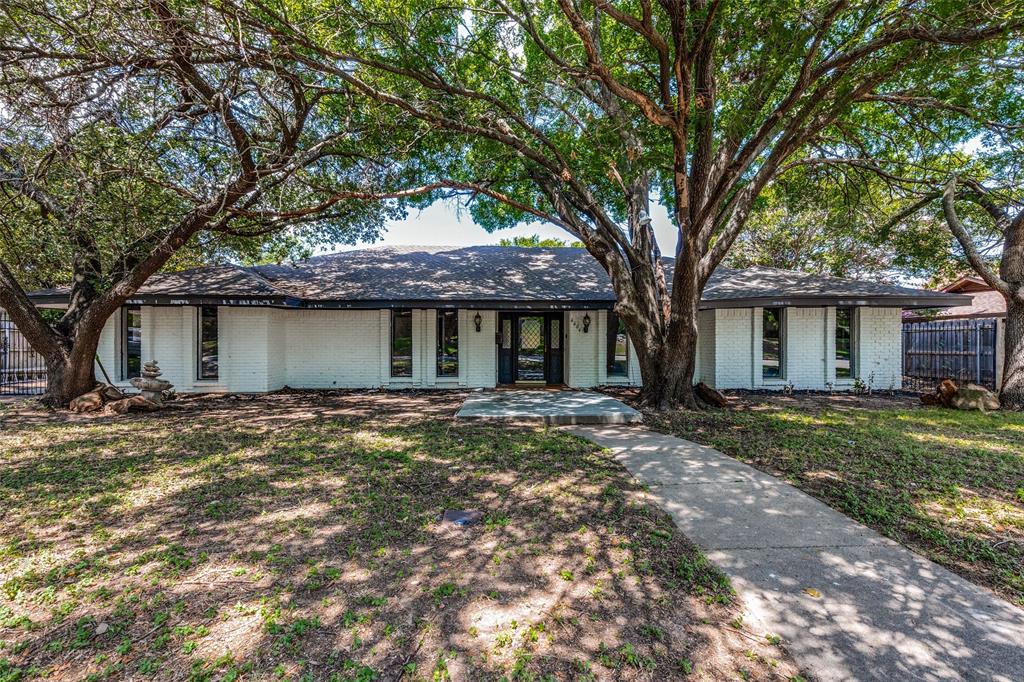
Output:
x=1011 y=397
x=70 y=372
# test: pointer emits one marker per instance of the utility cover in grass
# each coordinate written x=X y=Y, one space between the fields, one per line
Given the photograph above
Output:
x=463 y=517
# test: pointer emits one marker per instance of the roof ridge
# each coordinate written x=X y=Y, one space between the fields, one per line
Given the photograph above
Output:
x=250 y=271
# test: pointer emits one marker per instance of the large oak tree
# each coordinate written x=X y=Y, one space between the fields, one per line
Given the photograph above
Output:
x=135 y=137
x=588 y=114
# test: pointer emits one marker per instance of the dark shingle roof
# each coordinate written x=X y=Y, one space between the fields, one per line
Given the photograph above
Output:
x=766 y=284
x=430 y=273
x=502 y=275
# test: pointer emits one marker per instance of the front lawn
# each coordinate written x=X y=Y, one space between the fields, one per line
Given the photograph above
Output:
x=947 y=484
x=298 y=537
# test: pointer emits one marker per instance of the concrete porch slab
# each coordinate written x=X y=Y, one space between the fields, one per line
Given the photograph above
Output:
x=548 y=407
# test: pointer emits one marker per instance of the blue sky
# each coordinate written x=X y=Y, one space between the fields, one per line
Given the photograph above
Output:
x=443 y=223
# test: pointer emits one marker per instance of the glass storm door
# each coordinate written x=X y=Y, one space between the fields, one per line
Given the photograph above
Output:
x=530 y=350
x=506 y=375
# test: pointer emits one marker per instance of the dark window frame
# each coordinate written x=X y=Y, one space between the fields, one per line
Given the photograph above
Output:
x=395 y=314
x=201 y=371
x=780 y=318
x=126 y=372
x=851 y=359
x=613 y=366
x=453 y=317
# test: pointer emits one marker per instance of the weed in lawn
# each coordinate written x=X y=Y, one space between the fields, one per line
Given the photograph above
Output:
x=653 y=632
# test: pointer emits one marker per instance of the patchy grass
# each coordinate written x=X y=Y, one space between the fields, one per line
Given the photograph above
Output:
x=947 y=484
x=298 y=537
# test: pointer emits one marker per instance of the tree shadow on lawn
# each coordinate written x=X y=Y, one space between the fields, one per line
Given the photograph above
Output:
x=948 y=484
x=300 y=539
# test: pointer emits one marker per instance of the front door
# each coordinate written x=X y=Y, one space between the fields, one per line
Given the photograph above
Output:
x=530 y=348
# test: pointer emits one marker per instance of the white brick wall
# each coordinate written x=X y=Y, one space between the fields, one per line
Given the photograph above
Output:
x=332 y=348
x=277 y=345
x=582 y=360
x=163 y=329
x=108 y=350
x=878 y=356
x=705 y=370
x=733 y=351
x=586 y=353
x=805 y=347
x=262 y=349
x=478 y=348
x=169 y=337
x=245 y=348
x=729 y=348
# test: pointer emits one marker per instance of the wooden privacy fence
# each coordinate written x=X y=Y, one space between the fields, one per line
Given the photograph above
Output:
x=962 y=350
x=22 y=370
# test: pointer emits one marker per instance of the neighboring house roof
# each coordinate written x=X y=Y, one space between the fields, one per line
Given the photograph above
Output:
x=965 y=285
x=985 y=302
x=487 y=276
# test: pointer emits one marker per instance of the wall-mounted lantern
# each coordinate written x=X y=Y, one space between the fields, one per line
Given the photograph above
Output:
x=586 y=323
x=477 y=320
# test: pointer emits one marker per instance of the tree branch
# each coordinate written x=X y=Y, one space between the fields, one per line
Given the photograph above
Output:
x=966 y=243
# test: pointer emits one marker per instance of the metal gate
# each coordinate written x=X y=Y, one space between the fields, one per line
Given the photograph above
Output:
x=961 y=350
x=22 y=370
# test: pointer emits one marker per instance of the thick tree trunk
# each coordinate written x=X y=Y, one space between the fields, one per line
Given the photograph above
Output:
x=1011 y=396
x=668 y=362
x=667 y=370
x=70 y=371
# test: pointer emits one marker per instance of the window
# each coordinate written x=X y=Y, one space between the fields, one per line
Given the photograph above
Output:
x=844 y=343
x=131 y=342
x=208 y=365
x=447 y=343
x=772 y=344
x=618 y=347
x=401 y=342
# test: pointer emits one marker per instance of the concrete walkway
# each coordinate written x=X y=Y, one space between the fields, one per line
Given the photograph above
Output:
x=548 y=407
x=884 y=613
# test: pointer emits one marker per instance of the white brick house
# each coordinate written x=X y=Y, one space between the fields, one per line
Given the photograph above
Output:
x=479 y=317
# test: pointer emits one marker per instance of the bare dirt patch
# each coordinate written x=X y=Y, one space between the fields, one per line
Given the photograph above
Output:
x=297 y=536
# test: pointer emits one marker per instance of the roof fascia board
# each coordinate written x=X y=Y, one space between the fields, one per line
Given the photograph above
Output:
x=939 y=301
x=877 y=301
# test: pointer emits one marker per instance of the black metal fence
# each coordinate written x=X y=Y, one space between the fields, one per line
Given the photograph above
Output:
x=961 y=350
x=22 y=370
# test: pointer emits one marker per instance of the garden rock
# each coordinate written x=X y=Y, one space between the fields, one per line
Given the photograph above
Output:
x=135 y=403
x=975 y=397
x=711 y=396
x=110 y=392
x=946 y=390
x=88 y=402
x=943 y=394
x=150 y=384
